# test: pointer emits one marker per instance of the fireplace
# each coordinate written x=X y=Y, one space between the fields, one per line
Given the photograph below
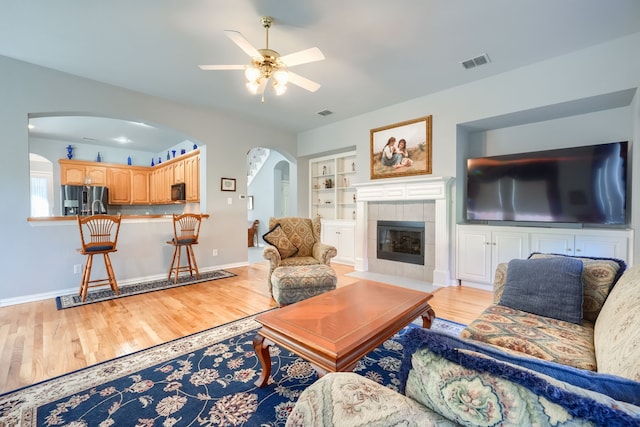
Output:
x=401 y=241
x=394 y=200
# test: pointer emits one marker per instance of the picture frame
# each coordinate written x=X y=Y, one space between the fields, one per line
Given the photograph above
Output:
x=388 y=159
x=228 y=184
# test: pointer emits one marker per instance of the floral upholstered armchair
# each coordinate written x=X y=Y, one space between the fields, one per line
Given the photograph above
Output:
x=295 y=241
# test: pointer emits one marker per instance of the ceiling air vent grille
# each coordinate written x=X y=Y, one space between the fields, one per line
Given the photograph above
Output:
x=325 y=112
x=476 y=62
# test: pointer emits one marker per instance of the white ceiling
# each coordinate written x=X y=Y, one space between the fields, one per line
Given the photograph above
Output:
x=378 y=52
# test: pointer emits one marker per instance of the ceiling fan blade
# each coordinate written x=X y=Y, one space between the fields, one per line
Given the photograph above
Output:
x=303 y=82
x=221 y=67
x=243 y=43
x=302 y=57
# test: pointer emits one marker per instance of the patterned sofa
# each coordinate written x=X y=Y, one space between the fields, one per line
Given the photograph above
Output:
x=512 y=367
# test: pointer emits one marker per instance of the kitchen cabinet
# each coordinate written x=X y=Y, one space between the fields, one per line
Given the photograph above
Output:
x=140 y=186
x=119 y=184
x=178 y=172
x=192 y=178
x=137 y=185
x=75 y=172
x=481 y=248
x=128 y=185
x=342 y=235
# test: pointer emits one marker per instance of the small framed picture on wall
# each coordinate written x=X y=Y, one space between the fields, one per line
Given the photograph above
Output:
x=228 y=184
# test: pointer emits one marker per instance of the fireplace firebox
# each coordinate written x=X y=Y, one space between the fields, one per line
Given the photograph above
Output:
x=401 y=241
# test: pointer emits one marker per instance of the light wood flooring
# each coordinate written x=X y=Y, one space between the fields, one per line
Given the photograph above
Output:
x=39 y=342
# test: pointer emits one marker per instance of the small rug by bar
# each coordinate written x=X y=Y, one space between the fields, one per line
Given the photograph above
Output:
x=204 y=379
x=104 y=294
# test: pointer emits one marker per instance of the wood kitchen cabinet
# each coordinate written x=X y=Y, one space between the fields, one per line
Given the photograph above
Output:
x=74 y=172
x=178 y=172
x=137 y=185
x=140 y=186
x=119 y=184
x=192 y=178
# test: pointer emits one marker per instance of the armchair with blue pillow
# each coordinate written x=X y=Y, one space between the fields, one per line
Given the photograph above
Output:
x=525 y=360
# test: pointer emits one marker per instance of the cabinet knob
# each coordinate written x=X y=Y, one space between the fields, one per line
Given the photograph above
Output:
x=577 y=250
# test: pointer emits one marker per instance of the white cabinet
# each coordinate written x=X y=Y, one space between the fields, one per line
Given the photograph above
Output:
x=332 y=194
x=593 y=243
x=481 y=248
x=342 y=235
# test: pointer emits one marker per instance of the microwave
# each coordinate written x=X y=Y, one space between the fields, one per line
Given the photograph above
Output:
x=178 y=192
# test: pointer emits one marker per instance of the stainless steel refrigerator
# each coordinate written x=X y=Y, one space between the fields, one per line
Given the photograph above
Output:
x=84 y=199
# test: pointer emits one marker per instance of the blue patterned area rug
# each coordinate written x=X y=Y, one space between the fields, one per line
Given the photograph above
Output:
x=202 y=379
x=104 y=294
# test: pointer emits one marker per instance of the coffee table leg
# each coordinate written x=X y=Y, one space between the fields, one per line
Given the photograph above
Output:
x=427 y=318
x=261 y=347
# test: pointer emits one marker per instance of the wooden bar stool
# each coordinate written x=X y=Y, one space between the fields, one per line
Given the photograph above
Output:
x=186 y=228
x=99 y=235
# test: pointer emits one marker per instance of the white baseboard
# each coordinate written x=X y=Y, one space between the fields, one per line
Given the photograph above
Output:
x=121 y=282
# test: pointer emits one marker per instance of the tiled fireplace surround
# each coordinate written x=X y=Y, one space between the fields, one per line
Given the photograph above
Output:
x=420 y=199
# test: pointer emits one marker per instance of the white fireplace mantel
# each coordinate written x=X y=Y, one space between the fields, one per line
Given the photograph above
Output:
x=410 y=189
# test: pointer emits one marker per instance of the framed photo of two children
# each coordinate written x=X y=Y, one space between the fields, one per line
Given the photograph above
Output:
x=401 y=149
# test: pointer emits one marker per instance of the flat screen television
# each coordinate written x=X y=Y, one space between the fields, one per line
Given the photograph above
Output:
x=584 y=185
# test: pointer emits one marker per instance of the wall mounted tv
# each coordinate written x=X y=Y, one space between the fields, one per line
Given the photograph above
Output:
x=580 y=185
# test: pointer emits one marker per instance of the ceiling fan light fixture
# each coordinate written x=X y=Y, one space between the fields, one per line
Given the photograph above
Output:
x=281 y=76
x=279 y=88
x=252 y=73
x=267 y=64
x=253 y=87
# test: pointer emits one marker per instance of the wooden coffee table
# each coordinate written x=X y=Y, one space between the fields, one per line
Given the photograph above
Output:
x=334 y=330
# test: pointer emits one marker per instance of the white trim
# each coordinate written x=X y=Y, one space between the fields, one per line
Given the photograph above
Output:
x=70 y=291
x=431 y=188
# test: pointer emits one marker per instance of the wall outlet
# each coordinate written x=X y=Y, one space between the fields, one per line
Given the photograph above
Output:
x=77 y=268
x=214 y=252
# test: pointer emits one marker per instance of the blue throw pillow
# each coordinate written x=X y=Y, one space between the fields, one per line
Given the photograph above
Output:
x=550 y=287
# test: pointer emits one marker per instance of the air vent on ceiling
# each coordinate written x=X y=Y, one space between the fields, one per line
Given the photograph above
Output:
x=325 y=112
x=476 y=62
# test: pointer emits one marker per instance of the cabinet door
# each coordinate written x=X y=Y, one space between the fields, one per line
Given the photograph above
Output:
x=178 y=172
x=139 y=187
x=342 y=236
x=601 y=246
x=97 y=175
x=506 y=246
x=192 y=178
x=347 y=238
x=330 y=234
x=72 y=174
x=119 y=184
x=474 y=255
x=552 y=243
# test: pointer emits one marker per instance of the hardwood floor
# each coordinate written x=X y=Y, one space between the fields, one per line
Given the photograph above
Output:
x=40 y=342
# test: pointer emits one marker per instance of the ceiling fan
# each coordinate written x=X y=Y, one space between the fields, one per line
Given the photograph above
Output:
x=267 y=64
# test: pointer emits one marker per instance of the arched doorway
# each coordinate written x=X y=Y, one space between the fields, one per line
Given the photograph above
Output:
x=272 y=192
